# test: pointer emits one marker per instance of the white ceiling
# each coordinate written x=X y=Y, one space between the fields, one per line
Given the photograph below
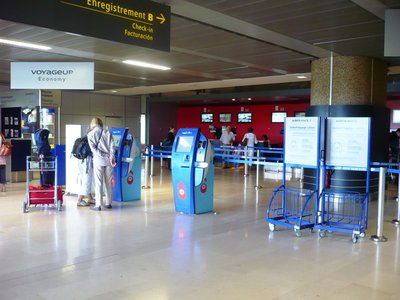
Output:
x=219 y=43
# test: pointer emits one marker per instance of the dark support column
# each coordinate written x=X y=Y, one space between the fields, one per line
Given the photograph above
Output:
x=351 y=87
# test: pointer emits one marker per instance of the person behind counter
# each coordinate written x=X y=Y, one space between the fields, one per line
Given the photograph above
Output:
x=227 y=138
x=266 y=143
x=167 y=144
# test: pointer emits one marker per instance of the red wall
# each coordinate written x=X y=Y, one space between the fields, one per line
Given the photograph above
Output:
x=190 y=116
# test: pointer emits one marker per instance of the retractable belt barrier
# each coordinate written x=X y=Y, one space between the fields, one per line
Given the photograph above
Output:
x=384 y=168
x=264 y=156
x=231 y=154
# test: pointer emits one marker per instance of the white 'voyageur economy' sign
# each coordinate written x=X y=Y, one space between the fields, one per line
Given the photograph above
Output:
x=52 y=75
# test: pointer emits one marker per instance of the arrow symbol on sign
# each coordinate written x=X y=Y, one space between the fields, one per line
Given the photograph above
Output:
x=161 y=18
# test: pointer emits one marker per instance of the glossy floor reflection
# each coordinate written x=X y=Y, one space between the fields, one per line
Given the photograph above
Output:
x=144 y=250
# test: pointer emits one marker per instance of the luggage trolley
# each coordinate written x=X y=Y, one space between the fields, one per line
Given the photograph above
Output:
x=293 y=208
x=348 y=148
x=41 y=194
x=296 y=207
x=345 y=212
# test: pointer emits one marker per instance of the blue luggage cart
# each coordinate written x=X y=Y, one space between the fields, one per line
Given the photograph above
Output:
x=295 y=207
x=345 y=212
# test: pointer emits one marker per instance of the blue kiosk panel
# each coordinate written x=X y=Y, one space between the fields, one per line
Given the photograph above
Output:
x=204 y=176
x=192 y=172
x=126 y=179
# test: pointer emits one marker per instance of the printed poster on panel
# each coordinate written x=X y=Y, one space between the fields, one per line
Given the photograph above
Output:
x=302 y=141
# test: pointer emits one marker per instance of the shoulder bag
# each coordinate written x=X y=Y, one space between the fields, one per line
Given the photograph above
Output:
x=5 y=149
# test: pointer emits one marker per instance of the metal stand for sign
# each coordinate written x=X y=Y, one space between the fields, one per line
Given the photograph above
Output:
x=292 y=207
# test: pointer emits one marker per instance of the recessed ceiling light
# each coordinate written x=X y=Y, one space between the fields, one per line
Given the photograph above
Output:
x=301 y=77
x=74 y=34
x=249 y=99
x=233 y=99
x=24 y=44
x=114 y=91
x=145 y=65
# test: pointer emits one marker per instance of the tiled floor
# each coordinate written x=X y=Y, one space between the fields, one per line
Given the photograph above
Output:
x=144 y=250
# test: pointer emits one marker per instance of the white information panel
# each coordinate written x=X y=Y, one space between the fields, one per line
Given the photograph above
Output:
x=301 y=141
x=52 y=75
x=347 y=142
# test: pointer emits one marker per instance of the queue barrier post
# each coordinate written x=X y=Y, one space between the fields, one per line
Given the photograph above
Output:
x=397 y=220
x=152 y=160
x=161 y=158
x=146 y=168
x=258 y=186
x=246 y=171
x=378 y=237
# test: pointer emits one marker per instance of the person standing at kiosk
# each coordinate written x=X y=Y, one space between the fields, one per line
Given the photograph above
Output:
x=101 y=143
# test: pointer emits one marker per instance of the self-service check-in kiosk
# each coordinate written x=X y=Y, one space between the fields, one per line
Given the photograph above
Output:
x=126 y=181
x=192 y=172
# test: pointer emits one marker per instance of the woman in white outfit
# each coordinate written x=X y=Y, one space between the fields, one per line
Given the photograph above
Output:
x=85 y=167
x=102 y=145
x=251 y=140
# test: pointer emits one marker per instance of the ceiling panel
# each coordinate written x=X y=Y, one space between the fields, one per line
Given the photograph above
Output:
x=213 y=40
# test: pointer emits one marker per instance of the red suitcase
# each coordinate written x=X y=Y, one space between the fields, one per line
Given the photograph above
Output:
x=45 y=195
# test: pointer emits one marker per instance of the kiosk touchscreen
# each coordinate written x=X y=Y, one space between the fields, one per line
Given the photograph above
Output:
x=192 y=172
x=126 y=178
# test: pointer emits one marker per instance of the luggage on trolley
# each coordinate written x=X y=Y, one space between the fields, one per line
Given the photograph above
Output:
x=44 y=194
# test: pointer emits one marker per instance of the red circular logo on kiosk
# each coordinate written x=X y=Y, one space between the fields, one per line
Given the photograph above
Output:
x=129 y=179
x=181 y=190
x=112 y=181
x=203 y=187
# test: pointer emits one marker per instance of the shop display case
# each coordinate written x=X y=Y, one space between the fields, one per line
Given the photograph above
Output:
x=48 y=121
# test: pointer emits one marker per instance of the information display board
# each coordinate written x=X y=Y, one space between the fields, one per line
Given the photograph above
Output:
x=11 y=122
x=302 y=141
x=348 y=142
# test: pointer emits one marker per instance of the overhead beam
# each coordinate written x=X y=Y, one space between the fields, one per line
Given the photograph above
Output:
x=207 y=16
x=375 y=7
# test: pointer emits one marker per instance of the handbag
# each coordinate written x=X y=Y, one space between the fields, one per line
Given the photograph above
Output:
x=5 y=149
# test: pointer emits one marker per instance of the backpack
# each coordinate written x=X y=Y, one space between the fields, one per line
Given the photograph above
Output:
x=81 y=149
x=41 y=137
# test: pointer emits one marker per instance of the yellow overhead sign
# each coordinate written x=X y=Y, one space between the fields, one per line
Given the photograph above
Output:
x=142 y=22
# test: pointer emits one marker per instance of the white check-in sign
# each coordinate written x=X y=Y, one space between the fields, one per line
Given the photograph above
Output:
x=52 y=75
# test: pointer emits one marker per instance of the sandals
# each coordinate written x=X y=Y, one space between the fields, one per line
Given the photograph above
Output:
x=82 y=203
